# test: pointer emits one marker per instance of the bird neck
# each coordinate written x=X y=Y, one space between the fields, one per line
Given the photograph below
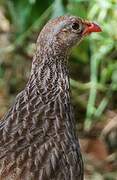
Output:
x=49 y=69
x=50 y=82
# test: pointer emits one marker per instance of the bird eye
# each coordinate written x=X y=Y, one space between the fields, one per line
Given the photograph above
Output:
x=75 y=26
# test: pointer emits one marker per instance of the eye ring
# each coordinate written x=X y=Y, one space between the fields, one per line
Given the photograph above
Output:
x=75 y=26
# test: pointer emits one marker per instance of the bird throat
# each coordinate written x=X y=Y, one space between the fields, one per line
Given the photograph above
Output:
x=49 y=86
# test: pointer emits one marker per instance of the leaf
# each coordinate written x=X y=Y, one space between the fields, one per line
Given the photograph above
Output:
x=58 y=8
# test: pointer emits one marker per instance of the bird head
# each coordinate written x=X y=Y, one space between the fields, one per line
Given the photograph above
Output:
x=66 y=31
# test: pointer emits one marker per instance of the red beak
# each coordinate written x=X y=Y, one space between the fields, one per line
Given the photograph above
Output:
x=91 y=27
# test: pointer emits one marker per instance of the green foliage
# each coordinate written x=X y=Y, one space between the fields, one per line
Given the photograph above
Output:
x=24 y=13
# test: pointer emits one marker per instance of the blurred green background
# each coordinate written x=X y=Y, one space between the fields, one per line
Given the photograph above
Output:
x=93 y=64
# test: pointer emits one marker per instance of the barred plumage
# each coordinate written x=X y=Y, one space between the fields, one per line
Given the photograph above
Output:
x=37 y=135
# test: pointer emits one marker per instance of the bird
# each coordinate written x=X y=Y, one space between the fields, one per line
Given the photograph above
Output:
x=38 y=140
